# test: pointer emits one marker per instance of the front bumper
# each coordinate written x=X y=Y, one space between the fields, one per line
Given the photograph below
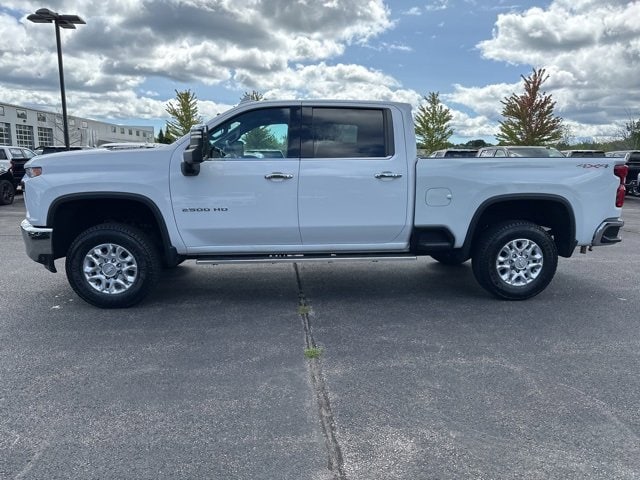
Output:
x=608 y=232
x=39 y=244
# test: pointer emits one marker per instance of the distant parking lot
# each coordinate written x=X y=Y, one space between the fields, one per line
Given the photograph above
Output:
x=421 y=374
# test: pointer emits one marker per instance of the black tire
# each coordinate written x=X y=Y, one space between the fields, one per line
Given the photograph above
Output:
x=515 y=260
x=7 y=192
x=452 y=257
x=112 y=265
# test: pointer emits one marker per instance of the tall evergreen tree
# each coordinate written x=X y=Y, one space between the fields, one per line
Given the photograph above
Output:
x=432 y=123
x=529 y=117
x=184 y=114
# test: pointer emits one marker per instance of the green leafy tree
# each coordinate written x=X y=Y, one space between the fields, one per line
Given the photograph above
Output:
x=630 y=134
x=529 y=117
x=432 y=123
x=184 y=114
x=479 y=143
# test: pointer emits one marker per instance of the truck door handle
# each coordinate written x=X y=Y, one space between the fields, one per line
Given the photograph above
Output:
x=388 y=175
x=278 y=176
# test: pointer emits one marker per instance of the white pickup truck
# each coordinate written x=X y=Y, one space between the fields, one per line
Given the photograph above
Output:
x=300 y=181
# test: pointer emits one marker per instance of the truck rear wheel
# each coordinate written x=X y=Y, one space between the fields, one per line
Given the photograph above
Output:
x=515 y=260
x=112 y=265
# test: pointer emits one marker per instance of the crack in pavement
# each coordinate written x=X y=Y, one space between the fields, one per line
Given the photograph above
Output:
x=334 y=453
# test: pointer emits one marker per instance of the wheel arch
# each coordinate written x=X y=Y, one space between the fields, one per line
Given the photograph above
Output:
x=550 y=211
x=71 y=214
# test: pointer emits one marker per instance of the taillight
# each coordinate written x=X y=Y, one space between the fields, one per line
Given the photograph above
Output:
x=620 y=171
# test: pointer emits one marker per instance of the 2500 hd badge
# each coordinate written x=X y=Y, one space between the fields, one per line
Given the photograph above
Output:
x=205 y=209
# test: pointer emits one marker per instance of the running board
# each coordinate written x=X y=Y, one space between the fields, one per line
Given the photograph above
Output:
x=304 y=259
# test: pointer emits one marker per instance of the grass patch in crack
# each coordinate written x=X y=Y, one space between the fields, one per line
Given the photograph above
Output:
x=312 y=352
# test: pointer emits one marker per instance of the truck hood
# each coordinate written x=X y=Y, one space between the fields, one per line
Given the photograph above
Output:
x=101 y=159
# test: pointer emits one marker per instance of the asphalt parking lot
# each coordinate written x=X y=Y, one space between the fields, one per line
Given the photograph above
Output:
x=422 y=375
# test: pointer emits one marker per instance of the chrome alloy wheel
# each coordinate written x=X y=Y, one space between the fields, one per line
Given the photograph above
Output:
x=110 y=268
x=519 y=262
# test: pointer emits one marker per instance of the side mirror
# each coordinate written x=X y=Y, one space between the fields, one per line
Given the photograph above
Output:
x=196 y=152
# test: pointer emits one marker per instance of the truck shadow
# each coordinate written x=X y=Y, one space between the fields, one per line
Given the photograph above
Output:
x=359 y=281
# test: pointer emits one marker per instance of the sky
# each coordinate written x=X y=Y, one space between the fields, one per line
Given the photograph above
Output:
x=129 y=59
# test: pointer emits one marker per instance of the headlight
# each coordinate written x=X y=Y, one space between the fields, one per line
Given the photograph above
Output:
x=33 y=171
x=4 y=167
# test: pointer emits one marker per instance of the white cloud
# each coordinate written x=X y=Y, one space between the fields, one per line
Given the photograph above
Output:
x=483 y=100
x=332 y=82
x=437 y=5
x=415 y=11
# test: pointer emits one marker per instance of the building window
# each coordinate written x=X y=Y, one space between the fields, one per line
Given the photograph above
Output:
x=45 y=136
x=59 y=120
x=144 y=134
x=84 y=124
x=72 y=122
x=1 y=110
x=42 y=117
x=122 y=130
x=21 y=114
x=130 y=131
x=24 y=136
x=5 y=133
x=137 y=133
x=113 y=129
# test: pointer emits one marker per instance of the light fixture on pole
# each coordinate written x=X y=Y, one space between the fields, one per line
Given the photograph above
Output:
x=44 y=15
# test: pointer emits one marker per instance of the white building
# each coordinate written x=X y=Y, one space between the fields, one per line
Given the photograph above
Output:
x=26 y=127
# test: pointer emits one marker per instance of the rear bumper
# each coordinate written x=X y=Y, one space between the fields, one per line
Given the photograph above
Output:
x=38 y=242
x=608 y=232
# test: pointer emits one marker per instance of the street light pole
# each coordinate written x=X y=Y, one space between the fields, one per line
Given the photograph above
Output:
x=44 y=15
x=65 y=124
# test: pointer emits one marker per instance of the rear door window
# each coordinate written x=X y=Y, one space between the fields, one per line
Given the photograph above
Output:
x=347 y=133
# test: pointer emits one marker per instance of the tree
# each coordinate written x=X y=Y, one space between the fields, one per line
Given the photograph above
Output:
x=184 y=114
x=260 y=137
x=479 y=143
x=75 y=136
x=529 y=117
x=630 y=134
x=162 y=138
x=432 y=123
x=252 y=96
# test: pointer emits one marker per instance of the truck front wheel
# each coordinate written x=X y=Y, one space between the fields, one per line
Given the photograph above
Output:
x=112 y=265
x=515 y=260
